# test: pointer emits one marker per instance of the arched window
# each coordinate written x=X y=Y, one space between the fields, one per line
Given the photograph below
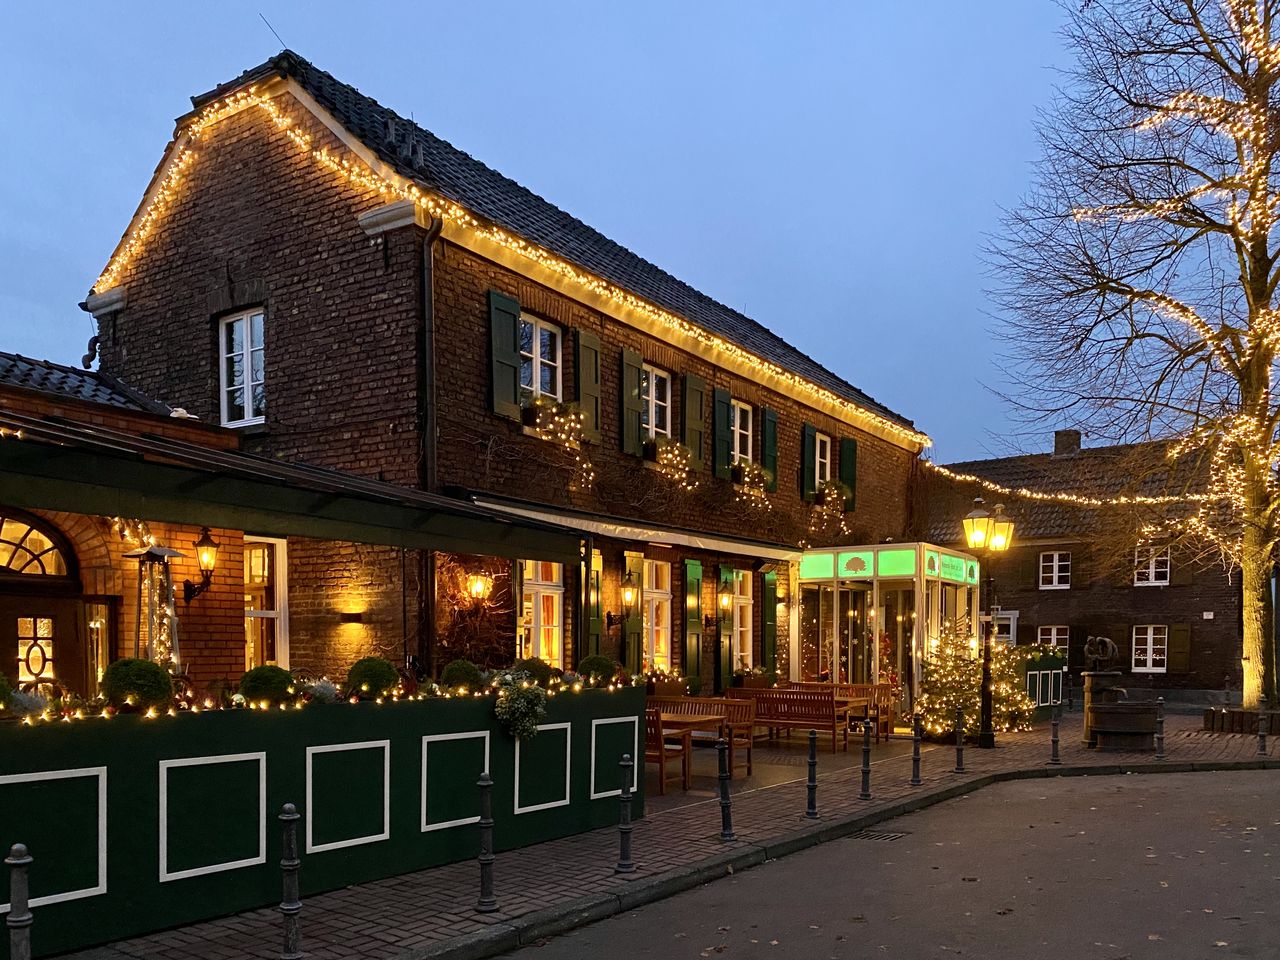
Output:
x=29 y=549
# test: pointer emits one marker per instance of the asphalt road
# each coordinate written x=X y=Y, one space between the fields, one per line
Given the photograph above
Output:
x=1100 y=868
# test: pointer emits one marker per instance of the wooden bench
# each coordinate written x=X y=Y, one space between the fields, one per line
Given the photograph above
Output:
x=791 y=708
x=737 y=724
x=878 y=697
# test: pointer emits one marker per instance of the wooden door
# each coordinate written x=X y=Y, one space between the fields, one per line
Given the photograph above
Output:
x=42 y=641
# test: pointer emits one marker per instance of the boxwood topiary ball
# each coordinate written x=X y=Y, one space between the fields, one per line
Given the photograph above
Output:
x=136 y=682
x=461 y=673
x=540 y=670
x=598 y=667
x=372 y=677
x=269 y=683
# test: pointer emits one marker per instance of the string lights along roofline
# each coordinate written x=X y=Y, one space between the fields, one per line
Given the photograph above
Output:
x=392 y=186
x=1074 y=499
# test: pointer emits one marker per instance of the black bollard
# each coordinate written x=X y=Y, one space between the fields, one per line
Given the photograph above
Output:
x=865 y=792
x=625 y=863
x=811 y=804
x=1159 y=728
x=290 y=905
x=1262 y=734
x=487 y=903
x=916 y=734
x=1055 y=713
x=959 y=740
x=19 y=919
x=726 y=810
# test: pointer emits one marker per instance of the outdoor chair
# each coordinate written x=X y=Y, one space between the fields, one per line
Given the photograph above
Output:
x=660 y=747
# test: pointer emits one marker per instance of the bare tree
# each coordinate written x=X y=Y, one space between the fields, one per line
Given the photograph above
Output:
x=1139 y=276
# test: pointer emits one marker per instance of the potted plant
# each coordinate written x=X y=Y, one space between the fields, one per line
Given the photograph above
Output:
x=661 y=682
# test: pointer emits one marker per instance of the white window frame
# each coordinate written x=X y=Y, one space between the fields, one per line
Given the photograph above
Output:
x=741 y=437
x=281 y=613
x=1049 y=635
x=252 y=415
x=743 y=640
x=537 y=588
x=821 y=459
x=1147 y=564
x=654 y=599
x=536 y=362
x=1151 y=641
x=1058 y=572
x=649 y=400
x=1011 y=618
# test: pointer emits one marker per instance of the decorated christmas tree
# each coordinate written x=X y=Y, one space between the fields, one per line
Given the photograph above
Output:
x=953 y=678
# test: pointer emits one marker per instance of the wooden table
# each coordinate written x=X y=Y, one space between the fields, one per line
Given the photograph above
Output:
x=679 y=723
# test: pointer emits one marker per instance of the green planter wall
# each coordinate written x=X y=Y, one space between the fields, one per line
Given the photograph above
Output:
x=1043 y=678
x=137 y=825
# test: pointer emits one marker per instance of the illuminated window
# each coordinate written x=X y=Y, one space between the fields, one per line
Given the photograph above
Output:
x=35 y=649
x=1150 y=648
x=741 y=431
x=1054 y=636
x=243 y=374
x=26 y=550
x=657 y=614
x=1151 y=567
x=742 y=653
x=539 y=357
x=1055 y=570
x=821 y=458
x=266 y=603
x=542 y=612
x=655 y=400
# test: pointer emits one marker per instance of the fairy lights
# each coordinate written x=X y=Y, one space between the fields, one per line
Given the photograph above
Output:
x=1065 y=497
x=392 y=187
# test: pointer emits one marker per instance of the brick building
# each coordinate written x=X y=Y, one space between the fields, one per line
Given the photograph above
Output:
x=1075 y=572
x=340 y=287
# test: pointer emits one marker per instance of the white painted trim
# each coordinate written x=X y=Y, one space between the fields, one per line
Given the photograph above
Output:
x=568 y=743
x=100 y=305
x=391 y=216
x=635 y=722
x=312 y=846
x=467 y=735
x=71 y=774
x=163 y=819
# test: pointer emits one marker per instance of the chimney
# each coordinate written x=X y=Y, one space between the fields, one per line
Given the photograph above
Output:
x=1066 y=442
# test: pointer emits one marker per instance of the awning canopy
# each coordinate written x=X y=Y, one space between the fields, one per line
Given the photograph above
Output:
x=52 y=464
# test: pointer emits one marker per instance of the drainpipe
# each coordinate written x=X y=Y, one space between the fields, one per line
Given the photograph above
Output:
x=427 y=479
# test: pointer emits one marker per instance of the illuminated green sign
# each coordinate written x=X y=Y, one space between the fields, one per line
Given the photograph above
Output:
x=818 y=566
x=953 y=568
x=896 y=563
x=854 y=563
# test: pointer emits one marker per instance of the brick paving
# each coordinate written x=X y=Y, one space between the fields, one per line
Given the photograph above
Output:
x=564 y=881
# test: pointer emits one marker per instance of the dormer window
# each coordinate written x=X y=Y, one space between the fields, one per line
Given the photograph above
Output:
x=242 y=375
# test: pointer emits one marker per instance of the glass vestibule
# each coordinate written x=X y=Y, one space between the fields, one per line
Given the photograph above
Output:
x=872 y=614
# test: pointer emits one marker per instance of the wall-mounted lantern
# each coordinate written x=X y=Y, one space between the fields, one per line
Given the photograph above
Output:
x=479 y=586
x=206 y=560
x=628 y=601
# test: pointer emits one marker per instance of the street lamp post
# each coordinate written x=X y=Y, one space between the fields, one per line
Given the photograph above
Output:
x=987 y=534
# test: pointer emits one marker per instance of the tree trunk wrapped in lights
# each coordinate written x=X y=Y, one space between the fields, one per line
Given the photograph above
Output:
x=952 y=678
x=1140 y=275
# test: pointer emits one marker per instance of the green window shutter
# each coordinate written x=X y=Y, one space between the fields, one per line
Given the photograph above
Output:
x=721 y=433
x=632 y=435
x=724 y=640
x=769 y=445
x=633 y=625
x=1179 y=655
x=694 y=422
x=588 y=372
x=595 y=606
x=769 y=620
x=808 y=466
x=692 y=659
x=1122 y=635
x=504 y=354
x=849 y=471
x=1180 y=570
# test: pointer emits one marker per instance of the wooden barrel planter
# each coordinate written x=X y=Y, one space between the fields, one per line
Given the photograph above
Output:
x=1123 y=726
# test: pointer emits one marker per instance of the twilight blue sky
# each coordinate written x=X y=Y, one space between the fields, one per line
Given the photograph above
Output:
x=830 y=168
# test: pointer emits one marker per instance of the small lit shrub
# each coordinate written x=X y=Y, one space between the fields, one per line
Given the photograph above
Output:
x=461 y=673
x=372 y=677
x=271 y=684
x=598 y=668
x=538 y=670
x=133 y=682
x=521 y=704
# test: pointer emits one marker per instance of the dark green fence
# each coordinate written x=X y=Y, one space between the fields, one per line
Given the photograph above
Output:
x=137 y=825
x=1043 y=678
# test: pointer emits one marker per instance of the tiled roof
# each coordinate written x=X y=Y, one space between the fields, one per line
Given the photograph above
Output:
x=1100 y=472
x=421 y=156
x=90 y=385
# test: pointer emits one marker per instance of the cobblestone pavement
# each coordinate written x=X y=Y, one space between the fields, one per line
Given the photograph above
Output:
x=677 y=845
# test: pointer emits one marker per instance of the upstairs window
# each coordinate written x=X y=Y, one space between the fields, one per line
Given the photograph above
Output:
x=1151 y=567
x=821 y=459
x=1055 y=570
x=655 y=401
x=540 y=357
x=740 y=430
x=243 y=393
